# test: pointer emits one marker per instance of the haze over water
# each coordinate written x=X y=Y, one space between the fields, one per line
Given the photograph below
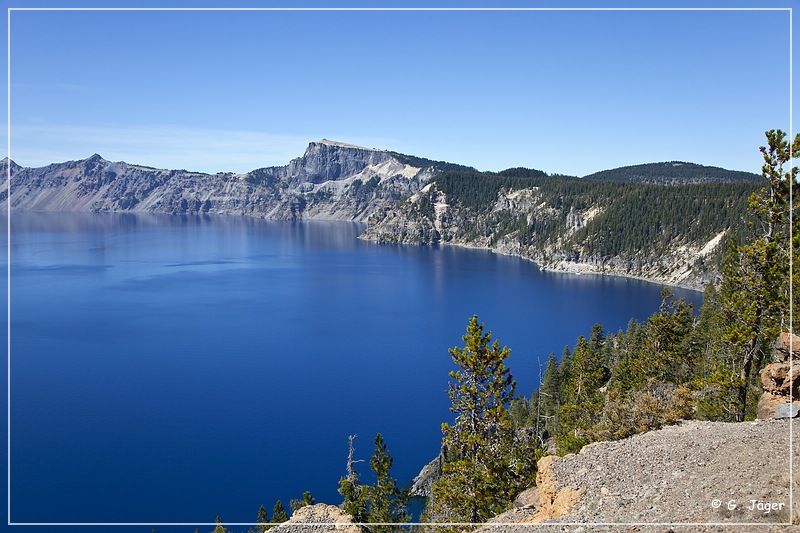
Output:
x=173 y=369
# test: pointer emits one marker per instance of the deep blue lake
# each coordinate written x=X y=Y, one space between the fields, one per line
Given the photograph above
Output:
x=173 y=369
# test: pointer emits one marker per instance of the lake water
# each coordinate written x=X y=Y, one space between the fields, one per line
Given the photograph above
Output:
x=172 y=369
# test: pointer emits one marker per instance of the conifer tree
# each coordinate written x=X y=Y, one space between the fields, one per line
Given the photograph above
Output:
x=387 y=502
x=478 y=478
x=583 y=399
x=278 y=513
x=716 y=363
x=262 y=518
x=564 y=371
x=219 y=527
x=755 y=288
x=551 y=392
x=667 y=335
x=308 y=499
x=381 y=503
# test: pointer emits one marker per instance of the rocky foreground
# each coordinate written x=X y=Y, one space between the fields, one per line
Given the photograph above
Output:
x=696 y=476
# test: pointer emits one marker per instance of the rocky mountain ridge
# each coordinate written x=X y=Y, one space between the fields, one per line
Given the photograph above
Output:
x=330 y=181
x=406 y=199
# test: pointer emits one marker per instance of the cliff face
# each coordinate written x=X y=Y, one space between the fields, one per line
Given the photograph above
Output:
x=428 y=217
x=331 y=161
x=330 y=181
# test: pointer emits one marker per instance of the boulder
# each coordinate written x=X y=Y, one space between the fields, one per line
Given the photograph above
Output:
x=776 y=378
x=787 y=410
x=527 y=499
x=768 y=404
x=781 y=378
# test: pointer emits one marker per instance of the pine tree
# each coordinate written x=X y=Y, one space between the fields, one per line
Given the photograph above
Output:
x=262 y=519
x=716 y=362
x=564 y=371
x=667 y=335
x=387 y=502
x=755 y=288
x=550 y=392
x=584 y=401
x=279 y=513
x=219 y=528
x=478 y=480
x=308 y=499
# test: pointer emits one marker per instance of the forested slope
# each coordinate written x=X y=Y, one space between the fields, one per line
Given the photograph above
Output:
x=670 y=233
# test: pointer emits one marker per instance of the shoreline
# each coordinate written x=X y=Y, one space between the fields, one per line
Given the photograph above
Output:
x=574 y=268
x=578 y=270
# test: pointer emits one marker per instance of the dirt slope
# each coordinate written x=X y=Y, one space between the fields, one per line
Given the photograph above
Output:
x=696 y=476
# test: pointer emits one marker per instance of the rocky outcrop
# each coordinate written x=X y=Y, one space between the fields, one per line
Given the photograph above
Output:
x=547 y=498
x=422 y=484
x=319 y=517
x=331 y=161
x=781 y=380
x=695 y=473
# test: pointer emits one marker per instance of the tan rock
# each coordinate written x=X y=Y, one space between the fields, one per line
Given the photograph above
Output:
x=776 y=377
x=781 y=379
x=319 y=517
x=550 y=501
x=786 y=343
x=769 y=402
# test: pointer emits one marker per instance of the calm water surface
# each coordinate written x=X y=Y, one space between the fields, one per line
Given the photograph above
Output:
x=172 y=369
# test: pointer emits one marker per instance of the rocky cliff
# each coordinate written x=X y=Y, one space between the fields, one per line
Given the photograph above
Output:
x=527 y=222
x=330 y=181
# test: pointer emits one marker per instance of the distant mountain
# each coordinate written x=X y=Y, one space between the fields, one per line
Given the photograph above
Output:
x=330 y=180
x=673 y=172
x=667 y=222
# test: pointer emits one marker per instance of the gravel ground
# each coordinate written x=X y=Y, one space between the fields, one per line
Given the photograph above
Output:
x=695 y=476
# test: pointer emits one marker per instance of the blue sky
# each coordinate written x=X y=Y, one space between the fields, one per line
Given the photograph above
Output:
x=562 y=91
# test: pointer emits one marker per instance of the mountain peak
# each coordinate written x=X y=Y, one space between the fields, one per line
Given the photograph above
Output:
x=7 y=164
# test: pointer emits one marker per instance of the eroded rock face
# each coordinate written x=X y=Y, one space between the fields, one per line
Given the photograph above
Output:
x=319 y=517
x=330 y=161
x=422 y=484
x=781 y=379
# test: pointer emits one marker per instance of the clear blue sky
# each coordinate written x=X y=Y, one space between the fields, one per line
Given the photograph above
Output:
x=562 y=91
